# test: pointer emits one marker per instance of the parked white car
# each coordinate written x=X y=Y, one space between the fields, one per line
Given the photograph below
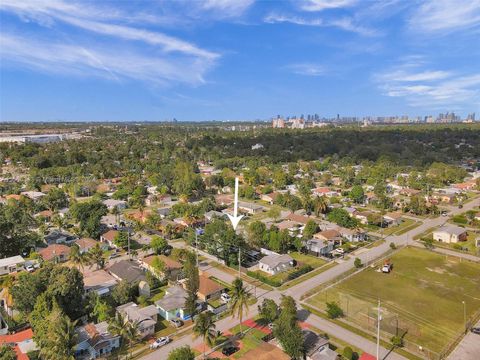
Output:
x=225 y=297
x=160 y=342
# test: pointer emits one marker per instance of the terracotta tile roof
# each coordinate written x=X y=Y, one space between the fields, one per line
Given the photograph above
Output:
x=207 y=286
x=327 y=234
x=85 y=243
x=53 y=250
x=13 y=196
x=110 y=235
x=15 y=339
x=302 y=219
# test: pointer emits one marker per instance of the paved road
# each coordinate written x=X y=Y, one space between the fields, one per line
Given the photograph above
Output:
x=468 y=349
x=353 y=339
x=298 y=290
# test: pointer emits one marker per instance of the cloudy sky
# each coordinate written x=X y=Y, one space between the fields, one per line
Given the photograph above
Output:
x=236 y=59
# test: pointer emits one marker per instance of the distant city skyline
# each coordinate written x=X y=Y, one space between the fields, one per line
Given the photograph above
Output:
x=237 y=59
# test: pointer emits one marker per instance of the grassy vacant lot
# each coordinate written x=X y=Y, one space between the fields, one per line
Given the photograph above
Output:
x=304 y=259
x=423 y=295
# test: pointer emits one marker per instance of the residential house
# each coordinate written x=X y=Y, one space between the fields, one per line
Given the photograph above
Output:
x=318 y=247
x=58 y=237
x=55 y=252
x=299 y=219
x=477 y=216
x=112 y=204
x=109 y=238
x=352 y=235
x=99 y=281
x=362 y=216
x=294 y=228
x=45 y=214
x=450 y=234
x=393 y=218
x=409 y=192
x=95 y=341
x=325 y=191
x=329 y=235
x=250 y=208
x=276 y=263
x=145 y=317
x=317 y=347
x=85 y=244
x=33 y=195
x=270 y=198
x=224 y=199
x=172 y=269
x=127 y=270
x=21 y=341
x=172 y=305
x=11 y=264
x=210 y=215
x=209 y=289
x=164 y=211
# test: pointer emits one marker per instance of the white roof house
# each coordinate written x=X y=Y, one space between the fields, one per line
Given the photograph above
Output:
x=275 y=263
x=11 y=264
x=112 y=203
x=450 y=234
x=34 y=195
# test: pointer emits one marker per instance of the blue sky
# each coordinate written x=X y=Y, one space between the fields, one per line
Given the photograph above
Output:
x=236 y=59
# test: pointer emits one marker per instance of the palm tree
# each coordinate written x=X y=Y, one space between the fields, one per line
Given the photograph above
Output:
x=238 y=303
x=128 y=331
x=116 y=212
x=205 y=327
x=96 y=256
x=77 y=257
x=7 y=285
x=320 y=205
x=132 y=334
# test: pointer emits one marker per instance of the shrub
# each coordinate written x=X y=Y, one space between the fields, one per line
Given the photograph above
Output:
x=264 y=278
x=333 y=310
x=357 y=263
x=397 y=341
x=393 y=246
x=348 y=353
x=299 y=272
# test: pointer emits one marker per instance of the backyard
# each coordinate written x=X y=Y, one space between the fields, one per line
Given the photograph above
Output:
x=422 y=296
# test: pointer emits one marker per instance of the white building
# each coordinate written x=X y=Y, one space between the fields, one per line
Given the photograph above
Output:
x=11 y=264
x=275 y=263
x=450 y=234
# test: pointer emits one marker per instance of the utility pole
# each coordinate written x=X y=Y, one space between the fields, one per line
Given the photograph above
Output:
x=239 y=263
x=378 y=330
x=465 y=315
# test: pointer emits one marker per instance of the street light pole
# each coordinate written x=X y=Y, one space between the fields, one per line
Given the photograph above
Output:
x=378 y=330
x=196 y=244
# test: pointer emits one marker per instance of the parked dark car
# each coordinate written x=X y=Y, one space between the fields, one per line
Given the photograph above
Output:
x=229 y=350
x=475 y=330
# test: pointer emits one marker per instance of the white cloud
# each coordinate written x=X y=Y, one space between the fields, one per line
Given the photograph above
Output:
x=346 y=24
x=74 y=59
x=319 y=5
x=130 y=51
x=274 y=18
x=307 y=69
x=427 y=88
x=227 y=8
x=440 y=16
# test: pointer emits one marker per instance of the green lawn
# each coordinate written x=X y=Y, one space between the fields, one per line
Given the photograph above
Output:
x=251 y=340
x=304 y=259
x=423 y=295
